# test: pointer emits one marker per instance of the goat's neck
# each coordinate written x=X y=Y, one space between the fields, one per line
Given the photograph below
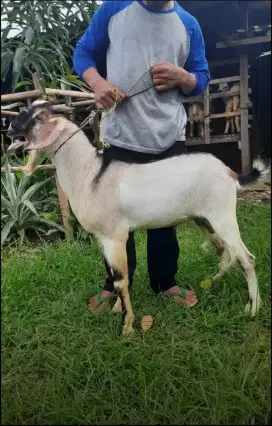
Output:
x=75 y=161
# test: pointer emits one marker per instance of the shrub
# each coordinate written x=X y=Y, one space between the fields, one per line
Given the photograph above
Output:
x=20 y=208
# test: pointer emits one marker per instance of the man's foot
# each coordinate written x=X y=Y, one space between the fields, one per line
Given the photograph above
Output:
x=100 y=302
x=182 y=296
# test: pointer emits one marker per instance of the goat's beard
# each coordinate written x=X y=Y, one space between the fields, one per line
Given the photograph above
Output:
x=157 y=4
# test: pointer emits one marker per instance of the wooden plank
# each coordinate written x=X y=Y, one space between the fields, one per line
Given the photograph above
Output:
x=225 y=114
x=214 y=139
x=244 y=41
x=193 y=5
x=215 y=64
x=206 y=115
x=245 y=150
x=212 y=96
x=224 y=80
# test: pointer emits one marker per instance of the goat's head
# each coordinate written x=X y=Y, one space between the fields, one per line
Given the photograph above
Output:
x=37 y=125
x=223 y=87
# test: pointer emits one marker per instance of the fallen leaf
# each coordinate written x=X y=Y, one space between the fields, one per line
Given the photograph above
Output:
x=146 y=322
x=206 y=283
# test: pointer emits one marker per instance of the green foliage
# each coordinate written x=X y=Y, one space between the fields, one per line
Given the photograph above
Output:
x=80 y=233
x=207 y=365
x=47 y=32
x=19 y=208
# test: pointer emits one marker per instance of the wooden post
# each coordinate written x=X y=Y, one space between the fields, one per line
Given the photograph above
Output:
x=245 y=149
x=65 y=211
x=207 y=137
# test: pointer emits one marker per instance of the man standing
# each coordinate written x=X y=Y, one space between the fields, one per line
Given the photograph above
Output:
x=125 y=39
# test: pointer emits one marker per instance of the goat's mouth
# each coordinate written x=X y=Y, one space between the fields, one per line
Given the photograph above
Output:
x=17 y=145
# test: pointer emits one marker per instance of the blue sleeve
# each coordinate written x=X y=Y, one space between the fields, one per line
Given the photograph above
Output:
x=196 y=62
x=92 y=48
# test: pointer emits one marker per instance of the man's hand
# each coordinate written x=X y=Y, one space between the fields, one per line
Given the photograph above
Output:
x=167 y=76
x=105 y=94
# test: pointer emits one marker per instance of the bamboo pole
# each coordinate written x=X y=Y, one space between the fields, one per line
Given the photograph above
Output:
x=36 y=93
x=56 y=108
x=20 y=95
x=9 y=113
x=14 y=169
x=72 y=93
x=82 y=103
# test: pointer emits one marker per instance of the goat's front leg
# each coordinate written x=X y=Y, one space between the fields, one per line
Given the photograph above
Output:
x=116 y=255
x=228 y=108
x=236 y=103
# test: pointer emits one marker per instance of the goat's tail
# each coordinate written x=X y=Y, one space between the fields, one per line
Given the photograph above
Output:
x=261 y=172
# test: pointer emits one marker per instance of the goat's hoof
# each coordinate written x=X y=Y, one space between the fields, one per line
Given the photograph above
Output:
x=253 y=307
x=248 y=308
x=117 y=308
x=128 y=330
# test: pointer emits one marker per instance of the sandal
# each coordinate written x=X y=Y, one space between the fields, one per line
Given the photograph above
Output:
x=182 y=295
x=102 y=302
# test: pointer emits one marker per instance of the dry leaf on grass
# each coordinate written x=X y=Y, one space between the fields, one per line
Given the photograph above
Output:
x=146 y=322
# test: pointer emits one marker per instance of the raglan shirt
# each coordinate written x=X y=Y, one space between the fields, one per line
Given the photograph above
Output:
x=123 y=39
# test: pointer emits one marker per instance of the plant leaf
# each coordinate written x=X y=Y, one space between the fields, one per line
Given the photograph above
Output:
x=10 y=106
x=31 y=207
x=206 y=284
x=21 y=233
x=29 y=35
x=30 y=191
x=19 y=57
x=24 y=83
x=6 y=230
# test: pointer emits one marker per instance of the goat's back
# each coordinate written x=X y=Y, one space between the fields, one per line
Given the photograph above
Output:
x=164 y=192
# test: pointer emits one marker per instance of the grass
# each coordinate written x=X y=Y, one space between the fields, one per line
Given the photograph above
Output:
x=62 y=364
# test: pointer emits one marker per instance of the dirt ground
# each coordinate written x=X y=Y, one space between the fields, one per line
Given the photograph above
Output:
x=260 y=194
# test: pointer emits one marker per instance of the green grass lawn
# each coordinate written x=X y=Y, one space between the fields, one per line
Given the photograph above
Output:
x=62 y=364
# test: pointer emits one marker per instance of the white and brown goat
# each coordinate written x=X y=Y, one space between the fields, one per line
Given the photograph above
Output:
x=232 y=104
x=196 y=113
x=130 y=196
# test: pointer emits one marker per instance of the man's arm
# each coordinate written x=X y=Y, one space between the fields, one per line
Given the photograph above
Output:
x=193 y=79
x=196 y=64
x=92 y=47
x=90 y=55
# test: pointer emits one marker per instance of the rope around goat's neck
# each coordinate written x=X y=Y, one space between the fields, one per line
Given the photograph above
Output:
x=107 y=112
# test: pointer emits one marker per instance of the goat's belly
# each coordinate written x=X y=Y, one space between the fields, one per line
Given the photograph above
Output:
x=146 y=210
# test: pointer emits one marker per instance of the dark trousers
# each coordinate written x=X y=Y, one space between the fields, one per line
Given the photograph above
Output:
x=162 y=245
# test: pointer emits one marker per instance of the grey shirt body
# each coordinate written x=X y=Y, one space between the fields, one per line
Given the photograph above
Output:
x=138 y=37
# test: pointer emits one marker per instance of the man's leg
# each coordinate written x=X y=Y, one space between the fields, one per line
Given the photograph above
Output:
x=162 y=257
x=99 y=302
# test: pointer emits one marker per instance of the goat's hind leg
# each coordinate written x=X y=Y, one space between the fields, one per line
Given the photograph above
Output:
x=115 y=253
x=247 y=260
x=210 y=235
x=234 y=249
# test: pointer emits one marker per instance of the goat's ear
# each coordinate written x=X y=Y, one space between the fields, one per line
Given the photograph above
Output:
x=49 y=132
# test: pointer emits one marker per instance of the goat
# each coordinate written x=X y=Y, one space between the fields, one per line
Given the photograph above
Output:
x=232 y=104
x=130 y=196
x=196 y=109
